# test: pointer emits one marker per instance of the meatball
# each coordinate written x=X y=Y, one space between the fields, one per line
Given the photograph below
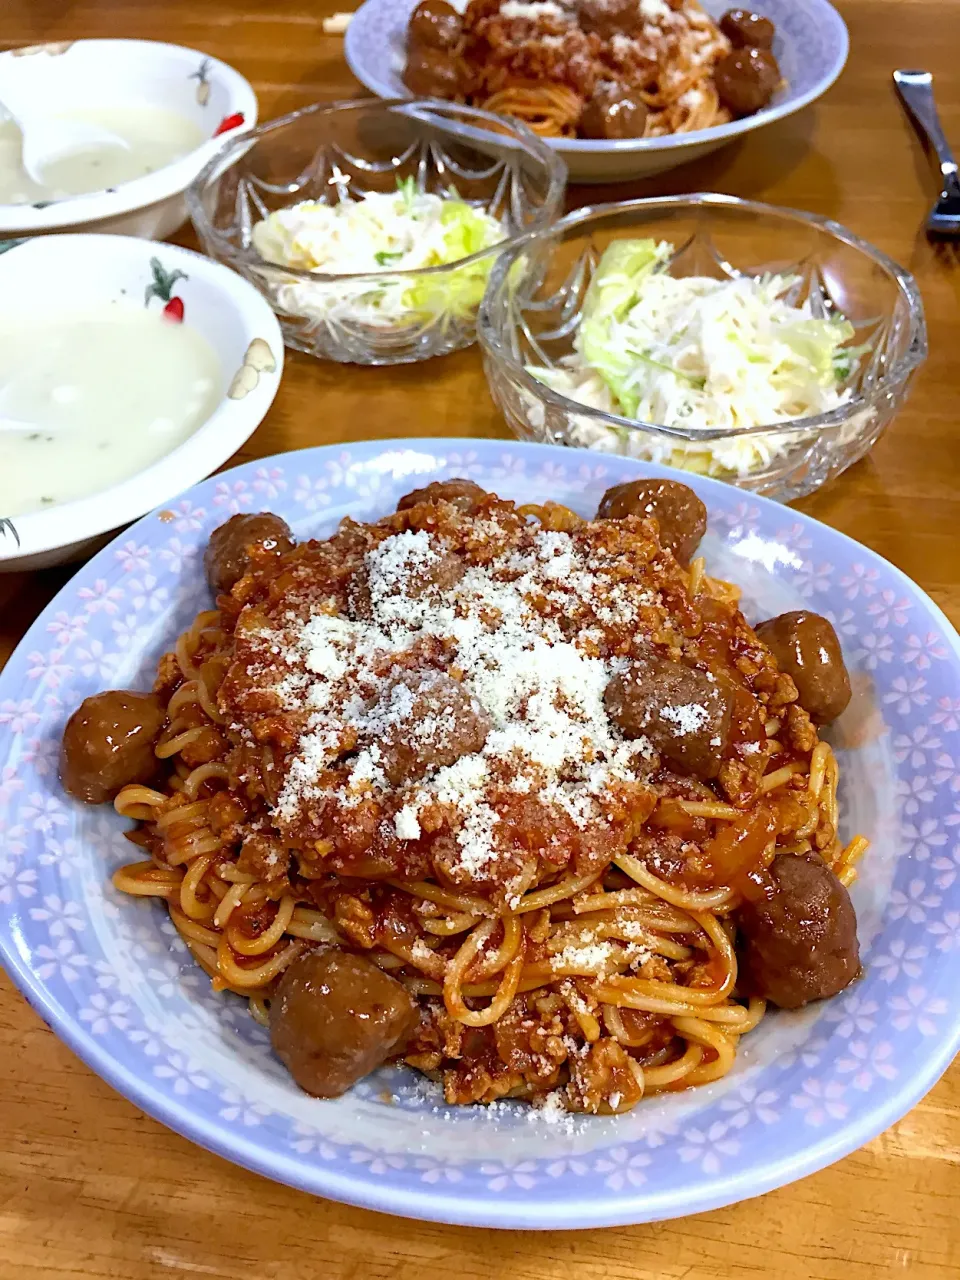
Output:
x=747 y=30
x=227 y=557
x=108 y=743
x=336 y=1017
x=608 y=18
x=684 y=713
x=460 y=493
x=613 y=112
x=746 y=80
x=800 y=942
x=423 y=580
x=681 y=515
x=434 y=24
x=430 y=722
x=807 y=649
x=433 y=73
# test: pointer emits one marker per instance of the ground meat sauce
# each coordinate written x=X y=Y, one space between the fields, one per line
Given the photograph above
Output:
x=229 y=550
x=369 y=830
x=109 y=742
x=336 y=1017
x=806 y=648
x=798 y=942
x=679 y=513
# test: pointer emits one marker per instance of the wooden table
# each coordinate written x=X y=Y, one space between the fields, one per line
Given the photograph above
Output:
x=91 y=1187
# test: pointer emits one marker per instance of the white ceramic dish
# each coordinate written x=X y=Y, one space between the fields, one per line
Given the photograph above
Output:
x=223 y=308
x=811 y=47
x=114 y=74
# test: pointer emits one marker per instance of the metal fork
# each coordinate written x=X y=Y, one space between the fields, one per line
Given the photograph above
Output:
x=916 y=92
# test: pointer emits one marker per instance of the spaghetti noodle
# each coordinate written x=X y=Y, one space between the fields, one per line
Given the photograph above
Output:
x=399 y=743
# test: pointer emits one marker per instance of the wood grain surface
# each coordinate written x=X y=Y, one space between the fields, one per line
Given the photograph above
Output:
x=91 y=1187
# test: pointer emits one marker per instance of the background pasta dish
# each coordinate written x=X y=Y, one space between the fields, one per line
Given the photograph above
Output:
x=594 y=68
x=514 y=796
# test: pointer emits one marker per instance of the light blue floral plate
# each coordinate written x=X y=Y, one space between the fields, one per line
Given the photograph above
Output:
x=811 y=47
x=111 y=978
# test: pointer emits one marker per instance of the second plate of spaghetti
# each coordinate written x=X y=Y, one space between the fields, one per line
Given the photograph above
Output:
x=496 y=841
x=620 y=89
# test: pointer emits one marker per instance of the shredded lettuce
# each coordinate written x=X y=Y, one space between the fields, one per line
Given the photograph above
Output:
x=702 y=353
x=457 y=294
x=407 y=188
x=612 y=293
x=401 y=232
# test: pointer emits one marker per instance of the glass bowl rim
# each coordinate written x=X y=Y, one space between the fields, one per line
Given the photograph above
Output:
x=556 y=172
x=914 y=356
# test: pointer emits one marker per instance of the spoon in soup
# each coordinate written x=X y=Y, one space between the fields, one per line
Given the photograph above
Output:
x=47 y=139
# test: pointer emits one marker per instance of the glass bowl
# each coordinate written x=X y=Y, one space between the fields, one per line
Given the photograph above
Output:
x=531 y=312
x=332 y=152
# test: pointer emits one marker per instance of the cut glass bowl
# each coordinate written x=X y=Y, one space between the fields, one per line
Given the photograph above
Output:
x=332 y=152
x=531 y=312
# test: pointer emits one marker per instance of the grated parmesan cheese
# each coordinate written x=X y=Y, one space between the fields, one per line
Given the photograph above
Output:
x=688 y=718
x=552 y=1110
x=504 y=628
x=406 y=824
x=534 y=10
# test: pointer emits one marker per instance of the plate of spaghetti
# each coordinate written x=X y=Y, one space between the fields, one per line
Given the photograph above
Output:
x=424 y=822
x=622 y=88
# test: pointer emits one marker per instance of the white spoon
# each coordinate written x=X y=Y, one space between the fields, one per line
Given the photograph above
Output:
x=47 y=139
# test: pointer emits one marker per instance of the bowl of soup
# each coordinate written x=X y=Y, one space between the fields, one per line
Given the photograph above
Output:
x=170 y=107
x=128 y=372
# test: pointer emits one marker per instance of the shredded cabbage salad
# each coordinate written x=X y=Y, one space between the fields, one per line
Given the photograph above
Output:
x=403 y=230
x=698 y=353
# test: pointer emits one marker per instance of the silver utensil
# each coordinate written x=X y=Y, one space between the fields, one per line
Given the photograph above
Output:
x=916 y=93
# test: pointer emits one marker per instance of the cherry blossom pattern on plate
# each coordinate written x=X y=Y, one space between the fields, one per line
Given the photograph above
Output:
x=113 y=978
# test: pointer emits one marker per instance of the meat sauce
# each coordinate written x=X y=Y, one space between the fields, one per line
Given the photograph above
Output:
x=706 y=645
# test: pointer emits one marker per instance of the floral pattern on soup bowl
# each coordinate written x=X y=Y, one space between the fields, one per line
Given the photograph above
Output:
x=188 y=289
x=114 y=75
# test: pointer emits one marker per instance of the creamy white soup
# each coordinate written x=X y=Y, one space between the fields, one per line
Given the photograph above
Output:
x=91 y=398
x=156 y=137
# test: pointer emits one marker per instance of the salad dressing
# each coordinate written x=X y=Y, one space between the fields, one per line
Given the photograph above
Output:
x=96 y=396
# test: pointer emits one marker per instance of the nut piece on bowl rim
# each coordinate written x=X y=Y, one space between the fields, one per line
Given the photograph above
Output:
x=209 y=93
x=331 y=151
x=531 y=310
